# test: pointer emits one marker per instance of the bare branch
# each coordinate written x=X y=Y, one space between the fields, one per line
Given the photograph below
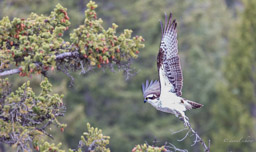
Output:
x=64 y=69
x=66 y=54
x=58 y=57
x=171 y=146
x=9 y=72
x=184 y=137
x=175 y=132
x=198 y=139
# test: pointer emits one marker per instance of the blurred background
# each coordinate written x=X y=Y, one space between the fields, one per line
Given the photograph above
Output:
x=217 y=47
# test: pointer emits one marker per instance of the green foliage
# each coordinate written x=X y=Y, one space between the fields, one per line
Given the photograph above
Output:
x=148 y=148
x=49 y=147
x=4 y=89
x=25 y=115
x=202 y=43
x=105 y=100
x=106 y=43
x=94 y=140
x=35 y=44
x=236 y=101
x=36 y=39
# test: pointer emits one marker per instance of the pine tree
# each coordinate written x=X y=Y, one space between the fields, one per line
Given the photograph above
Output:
x=35 y=45
x=233 y=113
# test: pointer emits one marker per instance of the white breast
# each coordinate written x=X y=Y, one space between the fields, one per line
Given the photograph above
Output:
x=171 y=101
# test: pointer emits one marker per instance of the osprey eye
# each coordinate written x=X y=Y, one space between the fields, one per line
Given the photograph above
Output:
x=152 y=97
x=146 y=98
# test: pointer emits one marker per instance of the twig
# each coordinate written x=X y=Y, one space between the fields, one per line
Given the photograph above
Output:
x=65 y=71
x=82 y=67
x=94 y=144
x=179 y=131
x=175 y=148
x=45 y=125
x=46 y=133
x=184 y=137
x=197 y=138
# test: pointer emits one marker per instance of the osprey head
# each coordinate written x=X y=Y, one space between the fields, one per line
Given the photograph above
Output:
x=151 y=91
x=151 y=98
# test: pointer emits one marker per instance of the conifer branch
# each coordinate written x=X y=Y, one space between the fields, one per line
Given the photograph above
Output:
x=58 y=57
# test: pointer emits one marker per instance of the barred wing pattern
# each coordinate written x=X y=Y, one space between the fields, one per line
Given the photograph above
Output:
x=168 y=61
x=151 y=87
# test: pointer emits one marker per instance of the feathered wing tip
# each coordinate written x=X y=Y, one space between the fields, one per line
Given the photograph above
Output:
x=169 y=25
x=194 y=105
x=161 y=23
x=150 y=87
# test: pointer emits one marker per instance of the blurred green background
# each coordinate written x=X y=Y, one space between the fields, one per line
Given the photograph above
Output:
x=217 y=46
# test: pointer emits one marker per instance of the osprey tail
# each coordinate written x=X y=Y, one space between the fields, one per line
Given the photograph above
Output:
x=193 y=105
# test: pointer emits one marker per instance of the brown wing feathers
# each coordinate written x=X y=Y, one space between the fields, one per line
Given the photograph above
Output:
x=174 y=74
x=169 y=25
x=160 y=58
x=194 y=104
x=168 y=55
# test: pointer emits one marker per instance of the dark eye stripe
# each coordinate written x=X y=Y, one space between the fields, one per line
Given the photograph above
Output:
x=152 y=97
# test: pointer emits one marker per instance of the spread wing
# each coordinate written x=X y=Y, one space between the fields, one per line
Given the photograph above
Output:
x=168 y=61
x=151 y=87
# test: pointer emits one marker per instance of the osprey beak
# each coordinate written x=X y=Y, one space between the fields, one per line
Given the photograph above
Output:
x=145 y=101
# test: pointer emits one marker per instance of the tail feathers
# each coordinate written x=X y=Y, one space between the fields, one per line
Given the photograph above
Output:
x=194 y=105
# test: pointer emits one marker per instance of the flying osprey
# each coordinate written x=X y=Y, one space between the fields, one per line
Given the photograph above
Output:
x=166 y=95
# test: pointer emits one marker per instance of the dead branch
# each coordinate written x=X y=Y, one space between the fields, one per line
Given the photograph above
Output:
x=198 y=139
x=9 y=72
x=171 y=146
x=58 y=57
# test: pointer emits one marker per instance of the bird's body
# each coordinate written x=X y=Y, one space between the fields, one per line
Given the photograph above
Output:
x=165 y=95
x=170 y=103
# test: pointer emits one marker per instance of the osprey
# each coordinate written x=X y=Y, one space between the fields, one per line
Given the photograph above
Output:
x=165 y=95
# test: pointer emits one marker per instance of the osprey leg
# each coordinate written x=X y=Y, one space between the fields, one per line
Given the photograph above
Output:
x=181 y=115
x=185 y=119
